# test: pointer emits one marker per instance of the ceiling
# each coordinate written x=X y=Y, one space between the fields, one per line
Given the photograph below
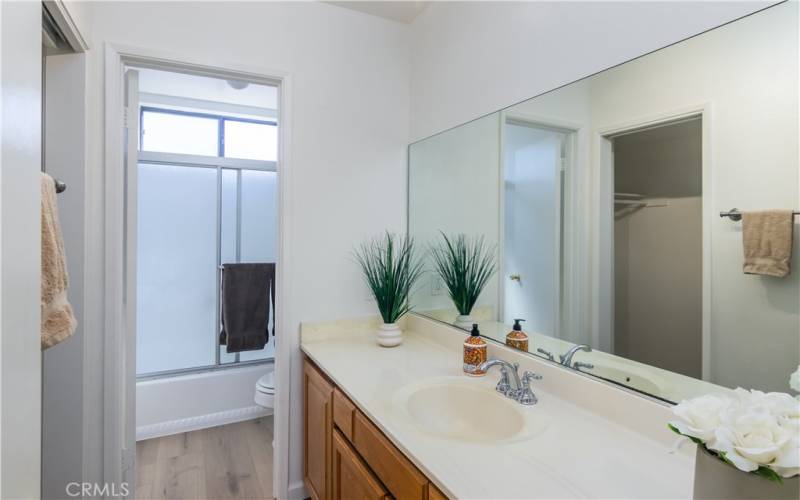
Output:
x=401 y=11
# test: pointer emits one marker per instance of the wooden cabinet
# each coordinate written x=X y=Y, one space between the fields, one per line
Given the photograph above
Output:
x=399 y=475
x=434 y=493
x=347 y=456
x=352 y=478
x=318 y=431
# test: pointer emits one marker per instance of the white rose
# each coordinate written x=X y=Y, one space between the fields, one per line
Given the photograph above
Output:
x=783 y=406
x=700 y=416
x=751 y=436
x=788 y=463
x=794 y=380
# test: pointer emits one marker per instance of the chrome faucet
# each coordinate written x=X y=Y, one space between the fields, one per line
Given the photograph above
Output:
x=504 y=386
x=566 y=359
x=510 y=384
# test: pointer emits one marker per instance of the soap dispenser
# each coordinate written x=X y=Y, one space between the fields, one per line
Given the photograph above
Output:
x=516 y=338
x=474 y=353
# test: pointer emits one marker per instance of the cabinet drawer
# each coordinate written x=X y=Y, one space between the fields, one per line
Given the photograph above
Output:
x=352 y=479
x=397 y=473
x=343 y=411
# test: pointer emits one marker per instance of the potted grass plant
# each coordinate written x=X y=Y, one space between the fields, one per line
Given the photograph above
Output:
x=465 y=266
x=390 y=270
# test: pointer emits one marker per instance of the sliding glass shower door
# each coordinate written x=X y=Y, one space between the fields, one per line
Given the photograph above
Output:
x=206 y=195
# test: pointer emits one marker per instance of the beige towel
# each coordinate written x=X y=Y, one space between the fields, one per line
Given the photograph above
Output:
x=767 y=242
x=58 y=320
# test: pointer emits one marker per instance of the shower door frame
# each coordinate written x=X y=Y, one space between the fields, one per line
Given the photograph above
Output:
x=218 y=163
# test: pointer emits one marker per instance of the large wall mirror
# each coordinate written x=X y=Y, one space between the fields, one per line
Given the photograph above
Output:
x=601 y=202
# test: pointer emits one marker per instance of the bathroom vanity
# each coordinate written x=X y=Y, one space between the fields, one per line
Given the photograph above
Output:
x=407 y=422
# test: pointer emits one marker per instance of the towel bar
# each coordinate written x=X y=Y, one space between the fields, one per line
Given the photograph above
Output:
x=61 y=186
x=735 y=214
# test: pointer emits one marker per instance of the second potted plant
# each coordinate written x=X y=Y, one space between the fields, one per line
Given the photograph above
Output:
x=465 y=265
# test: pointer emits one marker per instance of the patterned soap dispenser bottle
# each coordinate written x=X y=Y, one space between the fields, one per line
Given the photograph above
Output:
x=474 y=353
x=516 y=338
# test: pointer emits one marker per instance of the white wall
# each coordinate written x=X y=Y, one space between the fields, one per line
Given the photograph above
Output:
x=350 y=112
x=62 y=384
x=20 y=257
x=473 y=58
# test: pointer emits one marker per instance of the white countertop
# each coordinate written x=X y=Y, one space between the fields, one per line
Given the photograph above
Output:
x=581 y=454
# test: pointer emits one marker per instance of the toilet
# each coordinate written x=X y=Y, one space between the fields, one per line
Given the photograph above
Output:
x=265 y=390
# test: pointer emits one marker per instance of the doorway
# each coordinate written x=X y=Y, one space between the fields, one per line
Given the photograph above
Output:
x=535 y=158
x=658 y=245
x=203 y=198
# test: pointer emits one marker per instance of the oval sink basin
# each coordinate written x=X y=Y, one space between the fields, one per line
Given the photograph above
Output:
x=464 y=413
x=468 y=410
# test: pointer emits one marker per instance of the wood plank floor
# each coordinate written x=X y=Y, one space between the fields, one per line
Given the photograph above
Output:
x=230 y=461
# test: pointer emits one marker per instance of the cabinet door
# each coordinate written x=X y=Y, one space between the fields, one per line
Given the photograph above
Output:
x=352 y=479
x=318 y=428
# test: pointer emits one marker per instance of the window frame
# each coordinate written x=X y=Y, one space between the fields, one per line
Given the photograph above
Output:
x=220 y=119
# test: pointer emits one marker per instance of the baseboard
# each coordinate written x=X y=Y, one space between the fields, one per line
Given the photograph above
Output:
x=201 y=422
x=297 y=490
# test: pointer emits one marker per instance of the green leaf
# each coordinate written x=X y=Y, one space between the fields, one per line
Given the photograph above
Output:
x=465 y=267
x=390 y=270
x=692 y=438
x=769 y=474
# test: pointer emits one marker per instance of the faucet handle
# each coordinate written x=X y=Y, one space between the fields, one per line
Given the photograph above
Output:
x=526 y=395
x=528 y=377
x=579 y=364
x=547 y=354
x=503 y=385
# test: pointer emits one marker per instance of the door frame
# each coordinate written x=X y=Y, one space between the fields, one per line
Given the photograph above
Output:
x=602 y=247
x=570 y=281
x=119 y=420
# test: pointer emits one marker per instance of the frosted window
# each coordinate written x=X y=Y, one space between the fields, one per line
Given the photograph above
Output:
x=177 y=267
x=252 y=141
x=259 y=216
x=177 y=133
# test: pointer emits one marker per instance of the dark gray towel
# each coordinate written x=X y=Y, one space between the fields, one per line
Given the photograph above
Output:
x=248 y=294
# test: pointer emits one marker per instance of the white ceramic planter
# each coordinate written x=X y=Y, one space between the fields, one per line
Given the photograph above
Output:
x=464 y=321
x=717 y=480
x=390 y=335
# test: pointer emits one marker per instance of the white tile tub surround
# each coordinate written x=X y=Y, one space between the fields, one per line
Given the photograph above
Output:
x=190 y=402
x=602 y=442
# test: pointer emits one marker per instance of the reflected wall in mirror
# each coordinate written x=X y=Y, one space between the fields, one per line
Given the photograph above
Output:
x=603 y=199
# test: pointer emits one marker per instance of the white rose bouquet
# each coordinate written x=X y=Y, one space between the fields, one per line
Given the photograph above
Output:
x=756 y=432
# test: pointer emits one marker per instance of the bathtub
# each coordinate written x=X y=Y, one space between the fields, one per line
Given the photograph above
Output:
x=195 y=401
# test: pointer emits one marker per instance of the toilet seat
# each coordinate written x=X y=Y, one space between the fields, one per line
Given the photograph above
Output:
x=266 y=383
x=265 y=390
